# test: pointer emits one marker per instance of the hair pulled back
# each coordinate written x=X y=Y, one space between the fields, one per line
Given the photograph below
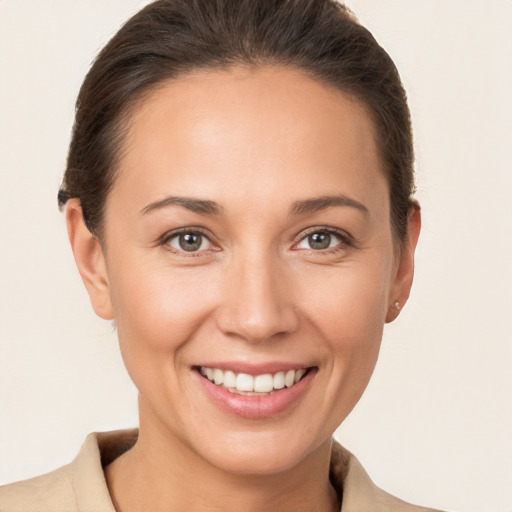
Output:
x=170 y=37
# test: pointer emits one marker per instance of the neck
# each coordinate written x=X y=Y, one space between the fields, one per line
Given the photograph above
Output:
x=161 y=473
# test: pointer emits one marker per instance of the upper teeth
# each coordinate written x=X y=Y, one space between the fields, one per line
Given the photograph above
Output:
x=246 y=383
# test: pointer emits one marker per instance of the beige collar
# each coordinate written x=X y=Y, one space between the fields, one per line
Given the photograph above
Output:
x=360 y=494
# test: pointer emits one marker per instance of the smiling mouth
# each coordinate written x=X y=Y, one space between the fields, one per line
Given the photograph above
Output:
x=253 y=385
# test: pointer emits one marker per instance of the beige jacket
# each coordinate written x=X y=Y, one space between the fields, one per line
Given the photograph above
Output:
x=80 y=486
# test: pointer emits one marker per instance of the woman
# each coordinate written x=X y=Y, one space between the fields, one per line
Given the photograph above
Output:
x=238 y=199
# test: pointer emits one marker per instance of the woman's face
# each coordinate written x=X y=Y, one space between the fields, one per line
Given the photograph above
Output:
x=248 y=234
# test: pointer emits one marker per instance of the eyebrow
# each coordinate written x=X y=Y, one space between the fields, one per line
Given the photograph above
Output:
x=200 y=206
x=206 y=207
x=323 y=202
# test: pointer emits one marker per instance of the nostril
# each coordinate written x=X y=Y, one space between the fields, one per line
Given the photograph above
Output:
x=257 y=324
x=257 y=303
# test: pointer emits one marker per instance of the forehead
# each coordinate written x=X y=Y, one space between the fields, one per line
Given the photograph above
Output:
x=222 y=130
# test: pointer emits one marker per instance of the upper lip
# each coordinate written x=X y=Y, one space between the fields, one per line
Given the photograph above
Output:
x=254 y=369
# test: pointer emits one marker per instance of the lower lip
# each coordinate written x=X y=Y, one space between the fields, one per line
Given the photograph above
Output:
x=255 y=407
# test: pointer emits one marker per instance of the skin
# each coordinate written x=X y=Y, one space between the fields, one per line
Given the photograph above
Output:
x=255 y=142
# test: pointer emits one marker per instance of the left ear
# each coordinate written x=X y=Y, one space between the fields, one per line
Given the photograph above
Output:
x=90 y=260
x=404 y=273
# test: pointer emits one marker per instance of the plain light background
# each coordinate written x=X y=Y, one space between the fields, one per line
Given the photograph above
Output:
x=435 y=425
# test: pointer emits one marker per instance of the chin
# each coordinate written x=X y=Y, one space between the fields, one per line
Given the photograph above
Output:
x=258 y=453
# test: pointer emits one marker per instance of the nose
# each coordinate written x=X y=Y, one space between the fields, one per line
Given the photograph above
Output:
x=257 y=300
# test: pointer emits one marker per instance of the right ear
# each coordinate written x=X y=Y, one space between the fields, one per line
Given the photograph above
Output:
x=89 y=259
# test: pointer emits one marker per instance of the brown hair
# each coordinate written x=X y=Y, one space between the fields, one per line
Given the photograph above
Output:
x=170 y=37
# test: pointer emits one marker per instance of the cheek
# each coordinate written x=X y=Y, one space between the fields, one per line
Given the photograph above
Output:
x=158 y=313
x=349 y=314
x=157 y=309
x=348 y=304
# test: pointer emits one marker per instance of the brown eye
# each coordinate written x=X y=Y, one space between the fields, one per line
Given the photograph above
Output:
x=189 y=241
x=319 y=241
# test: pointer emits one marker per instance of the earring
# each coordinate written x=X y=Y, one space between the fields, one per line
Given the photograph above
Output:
x=396 y=305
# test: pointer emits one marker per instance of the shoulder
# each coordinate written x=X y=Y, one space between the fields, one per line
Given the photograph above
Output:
x=49 y=492
x=360 y=494
x=75 y=487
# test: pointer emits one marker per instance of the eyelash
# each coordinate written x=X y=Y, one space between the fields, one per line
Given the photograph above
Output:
x=165 y=241
x=346 y=240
